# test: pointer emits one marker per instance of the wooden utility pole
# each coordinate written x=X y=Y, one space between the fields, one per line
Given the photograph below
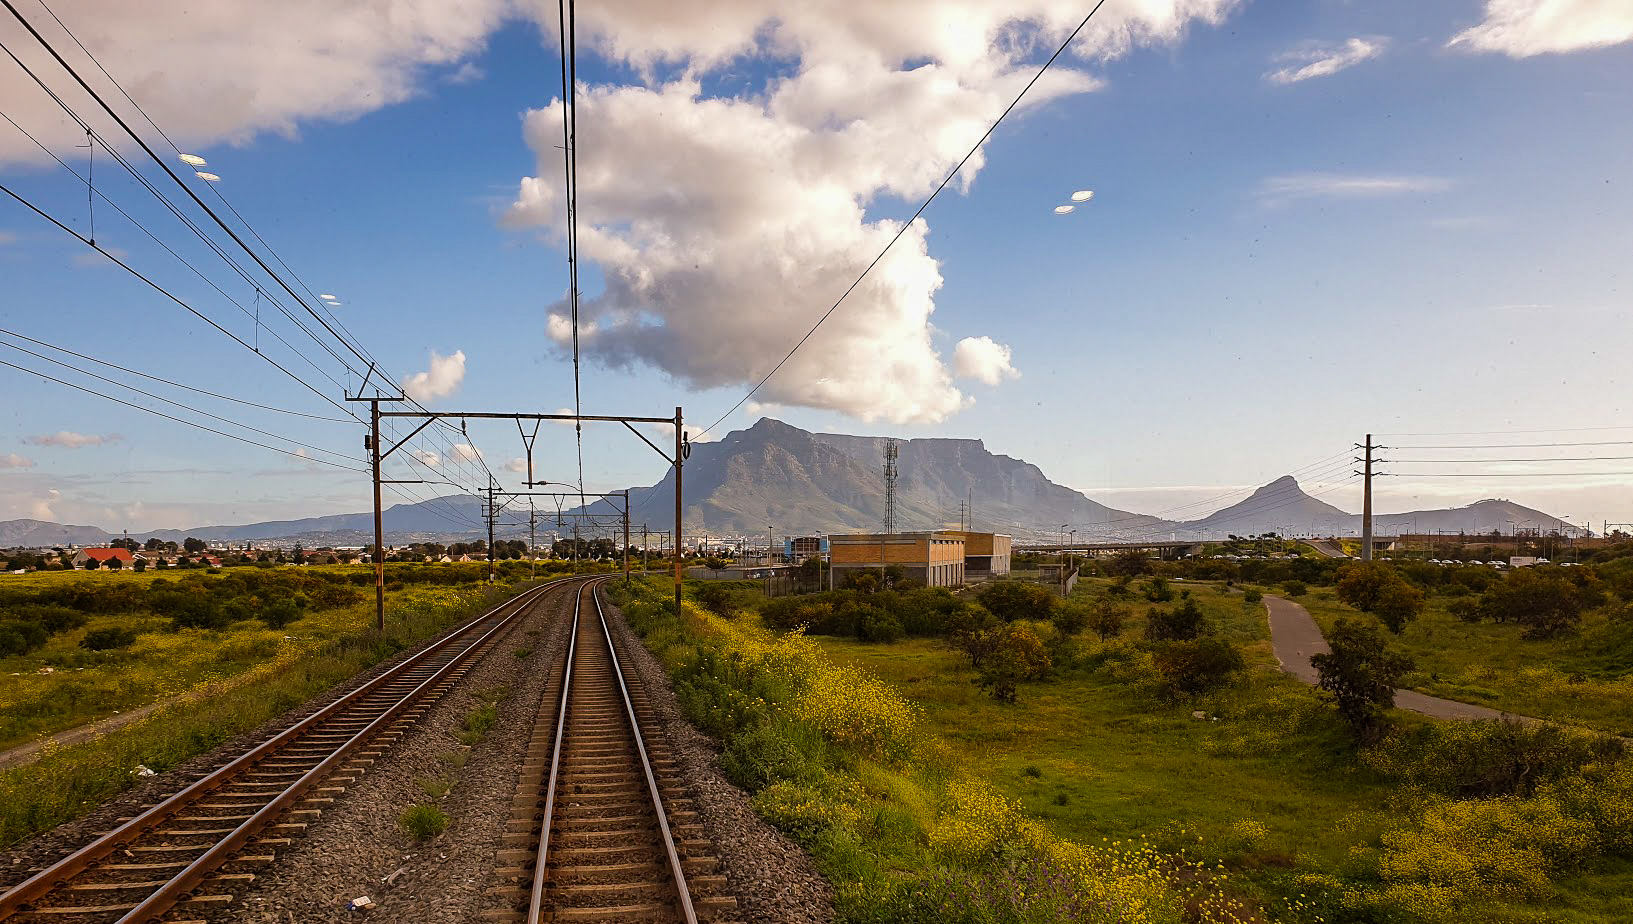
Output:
x=493 y=513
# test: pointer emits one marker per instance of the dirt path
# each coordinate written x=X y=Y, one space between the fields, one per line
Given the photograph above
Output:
x=25 y=753
x=1295 y=636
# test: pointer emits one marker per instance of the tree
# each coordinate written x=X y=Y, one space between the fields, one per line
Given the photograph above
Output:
x=1375 y=587
x=153 y=544
x=1106 y=619
x=1198 y=665
x=114 y=563
x=1012 y=600
x=124 y=543
x=1361 y=674
x=300 y=555
x=1128 y=563
x=1399 y=603
x=1182 y=623
x=1017 y=655
x=194 y=546
x=974 y=631
x=1545 y=601
x=90 y=563
x=140 y=565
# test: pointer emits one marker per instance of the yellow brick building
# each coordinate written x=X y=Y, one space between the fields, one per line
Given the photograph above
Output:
x=935 y=558
x=985 y=554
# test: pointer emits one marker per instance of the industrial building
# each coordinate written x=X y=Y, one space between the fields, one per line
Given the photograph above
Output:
x=799 y=548
x=985 y=554
x=935 y=559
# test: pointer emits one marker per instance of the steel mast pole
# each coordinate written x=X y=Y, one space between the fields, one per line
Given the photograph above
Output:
x=379 y=520
x=680 y=465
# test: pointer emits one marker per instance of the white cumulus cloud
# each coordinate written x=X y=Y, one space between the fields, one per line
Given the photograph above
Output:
x=725 y=225
x=1320 y=59
x=440 y=380
x=1522 y=28
x=427 y=458
x=230 y=70
x=518 y=465
x=983 y=359
x=465 y=452
x=67 y=439
x=13 y=460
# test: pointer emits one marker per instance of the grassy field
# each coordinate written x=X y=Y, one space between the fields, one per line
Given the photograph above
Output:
x=1267 y=783
x=241 y=676
x=1584 y=679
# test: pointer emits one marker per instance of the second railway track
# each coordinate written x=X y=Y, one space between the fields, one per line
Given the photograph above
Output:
x=603 y=828
x=186 y=857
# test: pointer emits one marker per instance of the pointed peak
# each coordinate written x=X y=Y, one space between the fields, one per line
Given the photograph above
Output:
x=1285 y=481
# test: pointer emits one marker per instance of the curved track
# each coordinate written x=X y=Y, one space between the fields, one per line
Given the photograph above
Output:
x=182 y=858
x=610 y=833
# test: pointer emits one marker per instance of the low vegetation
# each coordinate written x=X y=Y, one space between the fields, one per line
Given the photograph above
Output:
x=209 y=684
x=1152 y=720
x=423 y=821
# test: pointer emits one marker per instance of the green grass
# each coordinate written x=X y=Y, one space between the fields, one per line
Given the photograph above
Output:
x=1584 y=679
x=422 y=821
x=65 y=783
x=1097 y=759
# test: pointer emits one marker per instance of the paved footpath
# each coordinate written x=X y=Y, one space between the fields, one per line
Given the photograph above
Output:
x=1295 y=637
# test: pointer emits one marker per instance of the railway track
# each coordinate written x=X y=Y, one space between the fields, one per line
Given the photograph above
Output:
x=182 y=859
x=602 y=826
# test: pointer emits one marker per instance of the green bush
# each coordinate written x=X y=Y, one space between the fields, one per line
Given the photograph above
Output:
x=1182 y=623
x=20 y=638
x=422 y=821
x=1294 y=588
x=108 y=638
x=764 y=755
x=1198 y=665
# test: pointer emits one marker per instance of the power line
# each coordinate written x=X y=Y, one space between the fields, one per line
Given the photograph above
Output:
x=1504 y=474
x=231 y=436
x=165 y=292
x=1524 y=445
x=202 y=413
x=1472 y=461
x=909 y=223
x=165 y=381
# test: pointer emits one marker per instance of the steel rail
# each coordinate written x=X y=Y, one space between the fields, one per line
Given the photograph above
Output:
x=541 y=869
x=19 y=897
x=684 y=894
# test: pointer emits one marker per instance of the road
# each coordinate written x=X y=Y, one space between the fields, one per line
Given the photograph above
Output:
x=1328 y=547
x=26 y=753
x=1295 y=637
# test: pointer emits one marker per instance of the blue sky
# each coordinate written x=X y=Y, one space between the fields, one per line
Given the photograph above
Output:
x=1418 y=236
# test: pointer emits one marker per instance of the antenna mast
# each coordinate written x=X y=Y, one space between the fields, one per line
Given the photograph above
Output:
x=890 y=487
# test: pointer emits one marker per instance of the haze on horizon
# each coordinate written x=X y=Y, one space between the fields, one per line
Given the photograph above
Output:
x=1307 y=225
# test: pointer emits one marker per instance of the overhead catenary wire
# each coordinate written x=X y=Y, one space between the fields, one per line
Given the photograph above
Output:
x=178 y=404
x=190 y=423
x=354 y=349
x=173 y=384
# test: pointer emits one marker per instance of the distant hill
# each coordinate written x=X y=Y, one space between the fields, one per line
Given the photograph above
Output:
x=1279 y=507
x=795 y=481
x=41 y=534
x=1283 y=506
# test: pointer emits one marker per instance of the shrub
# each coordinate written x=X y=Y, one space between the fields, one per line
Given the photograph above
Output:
x=1479 y=760
x=1294 y=588
x=762 y=756
x=877 y=625
x=1018 y=655
x=108 y=638
x=1375 y=587
x=1180 y=624
x=20 y=638
x=1012 y=600
x=1252 y=595
x=1198 y=665
x=1361 y=675
x=1157 y=590
x=422 y=821
x=1544 y=601
x=1107 y=619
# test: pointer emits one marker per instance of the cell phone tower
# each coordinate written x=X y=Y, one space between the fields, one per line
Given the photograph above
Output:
x=890 y=487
